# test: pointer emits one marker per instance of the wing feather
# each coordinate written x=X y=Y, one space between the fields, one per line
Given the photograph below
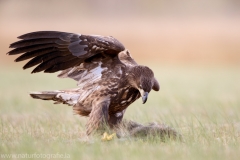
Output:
x=36 y=53
x=87 y=74
x=47 y=34
x=50 y=63
x=24 y=43
x=31 y=48
x=44 y=58
x=62 y=65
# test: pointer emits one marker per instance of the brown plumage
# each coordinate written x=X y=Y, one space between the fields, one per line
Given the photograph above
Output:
x=109 y=80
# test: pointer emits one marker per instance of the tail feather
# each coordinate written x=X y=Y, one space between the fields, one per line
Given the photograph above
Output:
x=64 y=97
x=46 y=95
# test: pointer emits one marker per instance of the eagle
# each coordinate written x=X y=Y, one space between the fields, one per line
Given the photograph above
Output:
x=108 y=78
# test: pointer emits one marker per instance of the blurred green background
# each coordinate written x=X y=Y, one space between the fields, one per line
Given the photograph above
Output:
x=193 y=47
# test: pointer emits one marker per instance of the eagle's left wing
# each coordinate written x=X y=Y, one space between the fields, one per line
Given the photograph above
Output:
x=98 y=68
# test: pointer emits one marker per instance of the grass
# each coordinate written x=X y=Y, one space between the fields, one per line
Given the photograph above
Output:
x=203 y=104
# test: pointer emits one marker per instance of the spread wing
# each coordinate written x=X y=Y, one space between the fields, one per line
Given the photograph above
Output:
x=53 y=51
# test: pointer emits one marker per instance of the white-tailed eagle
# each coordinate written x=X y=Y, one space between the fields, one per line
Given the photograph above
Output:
x=109 y=80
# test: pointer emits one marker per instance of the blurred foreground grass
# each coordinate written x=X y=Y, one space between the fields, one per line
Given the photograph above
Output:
x=201 y=103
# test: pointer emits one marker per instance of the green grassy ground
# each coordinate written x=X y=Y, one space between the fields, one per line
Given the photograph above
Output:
x=202 y=104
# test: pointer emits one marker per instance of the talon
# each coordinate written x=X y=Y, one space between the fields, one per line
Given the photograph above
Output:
x=104 y=137
x=107 y=137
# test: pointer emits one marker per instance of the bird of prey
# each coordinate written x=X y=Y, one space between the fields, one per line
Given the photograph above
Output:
x=108 y=78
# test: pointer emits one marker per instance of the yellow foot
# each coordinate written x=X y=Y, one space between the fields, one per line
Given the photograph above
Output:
x=107 y=137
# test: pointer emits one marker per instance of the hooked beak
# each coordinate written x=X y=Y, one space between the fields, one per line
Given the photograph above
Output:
x=144 y=96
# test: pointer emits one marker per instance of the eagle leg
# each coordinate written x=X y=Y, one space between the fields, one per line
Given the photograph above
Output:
x=98 y=118
x=116 y=119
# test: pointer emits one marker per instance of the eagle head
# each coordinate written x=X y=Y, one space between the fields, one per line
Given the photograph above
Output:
x=142 y=78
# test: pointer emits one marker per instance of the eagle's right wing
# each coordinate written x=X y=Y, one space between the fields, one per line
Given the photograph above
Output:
x=53 y=51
